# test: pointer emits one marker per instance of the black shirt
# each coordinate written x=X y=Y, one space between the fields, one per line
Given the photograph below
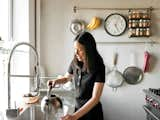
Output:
x=84 y=81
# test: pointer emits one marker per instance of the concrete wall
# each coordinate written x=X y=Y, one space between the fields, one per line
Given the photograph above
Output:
x=56 y=43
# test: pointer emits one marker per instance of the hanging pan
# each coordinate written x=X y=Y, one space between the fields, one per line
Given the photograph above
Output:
x=133 y=74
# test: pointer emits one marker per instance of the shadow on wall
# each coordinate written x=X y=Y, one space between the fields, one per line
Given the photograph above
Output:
x=153 y=62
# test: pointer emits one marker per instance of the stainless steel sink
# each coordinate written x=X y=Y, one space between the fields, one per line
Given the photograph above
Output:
x=34 y=112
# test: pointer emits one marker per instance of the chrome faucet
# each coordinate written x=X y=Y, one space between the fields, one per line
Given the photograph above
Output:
x=9 y=73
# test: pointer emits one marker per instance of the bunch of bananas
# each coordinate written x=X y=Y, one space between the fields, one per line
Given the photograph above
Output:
x=94 y=23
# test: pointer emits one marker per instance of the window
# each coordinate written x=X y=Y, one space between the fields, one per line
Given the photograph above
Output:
x=4 y=21
x=4 y=34
x=14 y=22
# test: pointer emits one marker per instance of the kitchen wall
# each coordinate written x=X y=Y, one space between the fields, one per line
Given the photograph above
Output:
x=56 y=50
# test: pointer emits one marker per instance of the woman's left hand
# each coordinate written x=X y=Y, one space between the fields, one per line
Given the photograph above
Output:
x=68 y=117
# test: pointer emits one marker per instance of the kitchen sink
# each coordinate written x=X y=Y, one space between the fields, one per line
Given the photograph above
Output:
x=34 y=111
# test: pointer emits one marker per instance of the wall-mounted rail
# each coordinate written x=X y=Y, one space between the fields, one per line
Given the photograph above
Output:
x=76 y=8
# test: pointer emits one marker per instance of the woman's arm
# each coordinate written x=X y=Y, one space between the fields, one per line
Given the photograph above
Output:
x=61 y=80
x=97 y=92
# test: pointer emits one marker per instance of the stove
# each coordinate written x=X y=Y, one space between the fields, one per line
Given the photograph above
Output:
x=152 y=107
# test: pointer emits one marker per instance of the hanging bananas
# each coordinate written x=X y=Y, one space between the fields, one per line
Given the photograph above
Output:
x=94 y=23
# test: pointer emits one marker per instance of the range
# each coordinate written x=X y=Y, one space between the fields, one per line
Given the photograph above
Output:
x=152 y=106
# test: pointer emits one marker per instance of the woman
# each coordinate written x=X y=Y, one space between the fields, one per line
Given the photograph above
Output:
x=88 y=71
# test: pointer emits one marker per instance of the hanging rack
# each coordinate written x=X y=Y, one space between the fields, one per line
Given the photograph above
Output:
x=127 y=42
x=76 y=8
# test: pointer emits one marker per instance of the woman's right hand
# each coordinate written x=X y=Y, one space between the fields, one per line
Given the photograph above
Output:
x=51 y=83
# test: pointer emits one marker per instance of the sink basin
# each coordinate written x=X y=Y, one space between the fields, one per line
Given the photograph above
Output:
x=34 y=111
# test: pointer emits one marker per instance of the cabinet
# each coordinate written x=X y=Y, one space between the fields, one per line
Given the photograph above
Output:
x=139 y=23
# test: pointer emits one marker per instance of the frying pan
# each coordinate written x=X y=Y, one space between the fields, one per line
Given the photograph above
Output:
x=114 y=77
x=133 y=74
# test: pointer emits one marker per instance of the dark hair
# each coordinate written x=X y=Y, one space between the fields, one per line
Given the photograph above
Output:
x=93 y=58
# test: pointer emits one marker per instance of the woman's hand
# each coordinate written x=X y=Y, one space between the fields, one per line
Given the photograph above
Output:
x=68 y=117
x=51 y=83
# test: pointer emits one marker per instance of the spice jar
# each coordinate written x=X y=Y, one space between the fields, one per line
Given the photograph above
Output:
x=144 y=23
x=141 y=32
x=130 y=15
x=137 y=14
x=148 y=32
x=148 y=23
x=130 y=24
x=140 y=23
x=137 y=31
x=134 y=14
x=133 y=23
x=130 y=33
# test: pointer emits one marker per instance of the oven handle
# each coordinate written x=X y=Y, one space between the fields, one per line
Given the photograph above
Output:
x=148 y=111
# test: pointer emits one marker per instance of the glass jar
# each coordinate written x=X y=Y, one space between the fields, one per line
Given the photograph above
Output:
x=141 y=32
x=137 y=31
x=148 y=32
x=140 y=23
x=144 y=23
x=130 y=24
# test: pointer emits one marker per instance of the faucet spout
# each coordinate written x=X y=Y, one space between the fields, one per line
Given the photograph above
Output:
x=9 y=69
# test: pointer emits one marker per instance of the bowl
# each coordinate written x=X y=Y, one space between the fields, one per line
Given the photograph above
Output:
x=31 y=98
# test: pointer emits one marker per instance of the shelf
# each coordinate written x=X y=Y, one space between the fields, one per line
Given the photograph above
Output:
x=139 y=36
x=139 y=27
x=149 y=112
x=139 y=23
x=140 y=19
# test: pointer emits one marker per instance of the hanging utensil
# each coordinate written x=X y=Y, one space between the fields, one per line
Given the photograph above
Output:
x=133 y=74
x=146 y=61
x=77 y=26
x=114 y=78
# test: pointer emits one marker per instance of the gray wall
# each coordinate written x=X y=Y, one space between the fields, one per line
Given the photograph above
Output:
x=57 y=51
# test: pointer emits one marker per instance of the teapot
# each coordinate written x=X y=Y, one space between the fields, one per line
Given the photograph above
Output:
x=50 y=103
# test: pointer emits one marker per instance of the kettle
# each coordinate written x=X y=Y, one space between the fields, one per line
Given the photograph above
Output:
x=50 y=103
